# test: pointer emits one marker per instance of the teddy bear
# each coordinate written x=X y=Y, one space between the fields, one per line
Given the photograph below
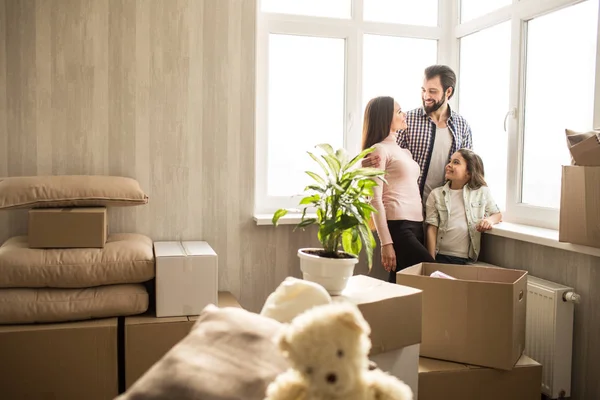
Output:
x=327 y=347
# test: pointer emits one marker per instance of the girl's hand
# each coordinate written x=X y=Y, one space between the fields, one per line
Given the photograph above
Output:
x=388 y=257
x=484 y=225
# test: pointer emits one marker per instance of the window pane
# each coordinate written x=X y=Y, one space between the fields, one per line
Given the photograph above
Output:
x=393 y=66
x=412 y=12
x=470 y=9
x=312 y=8
x=559 y=94
x=306 y=106
x=484 y=101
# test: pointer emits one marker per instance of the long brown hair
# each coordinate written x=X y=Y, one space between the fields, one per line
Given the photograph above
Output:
x=378 y=120
x=474 y=167
x=376 y=127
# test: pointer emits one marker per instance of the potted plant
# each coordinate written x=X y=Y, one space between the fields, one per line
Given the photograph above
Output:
x=339 y=205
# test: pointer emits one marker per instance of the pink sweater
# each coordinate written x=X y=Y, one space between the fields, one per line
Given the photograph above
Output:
x=399 y=198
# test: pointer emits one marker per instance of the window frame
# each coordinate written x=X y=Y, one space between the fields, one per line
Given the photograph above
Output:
x=448 y=34
x=352 y=31
x=519 y=13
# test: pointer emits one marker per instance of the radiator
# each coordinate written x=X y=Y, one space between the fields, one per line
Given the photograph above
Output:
x=549 y=333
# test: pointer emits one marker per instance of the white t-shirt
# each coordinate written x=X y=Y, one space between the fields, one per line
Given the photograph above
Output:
x=455 y=241
x=439 y=159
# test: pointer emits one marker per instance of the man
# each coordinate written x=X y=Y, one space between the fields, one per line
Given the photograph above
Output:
x=434 y=132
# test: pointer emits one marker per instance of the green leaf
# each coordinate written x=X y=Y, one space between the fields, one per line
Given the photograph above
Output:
x=342 y=156
x=327 y=228
x=334 y=165
x=319 y=161
x=278 y=214
x=316 y=178
x=360 y=156
x=361 y=173
x=326 y=148
x=305 y=223
x=310 y=199
x=346 y=222
x=351 y=242
x=315 y=188
x=369 y=241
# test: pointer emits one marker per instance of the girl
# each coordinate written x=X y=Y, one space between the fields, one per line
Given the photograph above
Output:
x=399 y=217
x=460 y=210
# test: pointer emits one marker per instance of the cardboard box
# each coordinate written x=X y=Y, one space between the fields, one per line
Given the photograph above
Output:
x=186 y=278
x=451 y=381
x=78 y=227
x=392 y=311
x=478 y=319
x=402 y=363
x=74 y=360
x=580 y=206
x=584 y=147
x=148 y=338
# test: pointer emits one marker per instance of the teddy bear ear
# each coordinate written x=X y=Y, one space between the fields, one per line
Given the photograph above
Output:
x=353 y=319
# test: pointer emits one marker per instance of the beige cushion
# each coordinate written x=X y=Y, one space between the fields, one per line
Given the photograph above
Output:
x=126 y=258
x=229 y=354
x=69 y=191
x=21 y=306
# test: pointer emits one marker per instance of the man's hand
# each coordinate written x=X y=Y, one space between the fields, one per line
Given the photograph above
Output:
x=371 y=161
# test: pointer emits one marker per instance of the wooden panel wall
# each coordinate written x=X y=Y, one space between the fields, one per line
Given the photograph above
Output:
x=579 y=271
x=162 y=91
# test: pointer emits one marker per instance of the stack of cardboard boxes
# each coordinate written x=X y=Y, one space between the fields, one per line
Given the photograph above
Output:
x=580 y=193
x=459 y=339
x=186 y=282
x=473 y=333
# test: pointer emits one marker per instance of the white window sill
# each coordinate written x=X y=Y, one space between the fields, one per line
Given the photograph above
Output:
x=524 y=233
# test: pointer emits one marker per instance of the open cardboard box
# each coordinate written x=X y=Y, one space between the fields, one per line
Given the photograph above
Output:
x=584 y=147
x=477 y=319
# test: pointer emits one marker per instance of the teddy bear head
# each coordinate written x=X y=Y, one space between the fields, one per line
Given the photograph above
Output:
x=329 y=346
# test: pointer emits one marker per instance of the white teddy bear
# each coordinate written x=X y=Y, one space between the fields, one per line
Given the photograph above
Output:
x=327 y=347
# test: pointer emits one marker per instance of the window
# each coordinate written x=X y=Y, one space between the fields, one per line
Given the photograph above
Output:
x=559 y=94
x=524 y=81
x=470 y=9
x=396 y=77
x=318 y=64
x=527 y=70
x=306 y=105
x=483 y=100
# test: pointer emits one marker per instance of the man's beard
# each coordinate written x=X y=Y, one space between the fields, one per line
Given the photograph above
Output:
x=436 y=106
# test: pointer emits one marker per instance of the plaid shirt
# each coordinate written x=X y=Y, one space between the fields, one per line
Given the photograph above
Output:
x=419 y=136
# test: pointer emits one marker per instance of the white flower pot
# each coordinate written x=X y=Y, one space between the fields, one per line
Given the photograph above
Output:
x=331 y=273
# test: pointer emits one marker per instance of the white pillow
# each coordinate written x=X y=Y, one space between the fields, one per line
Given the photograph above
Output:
x=292 y=297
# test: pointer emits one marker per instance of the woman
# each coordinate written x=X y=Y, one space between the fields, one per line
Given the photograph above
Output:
x=399 y=217
x=460 y=210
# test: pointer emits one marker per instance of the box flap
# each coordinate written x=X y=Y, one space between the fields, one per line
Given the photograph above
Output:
x=168 y=249
x=362 y=289
x=474 y=272
x=197 y=248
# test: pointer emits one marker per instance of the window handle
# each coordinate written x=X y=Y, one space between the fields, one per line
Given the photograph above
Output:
x=512 y=112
